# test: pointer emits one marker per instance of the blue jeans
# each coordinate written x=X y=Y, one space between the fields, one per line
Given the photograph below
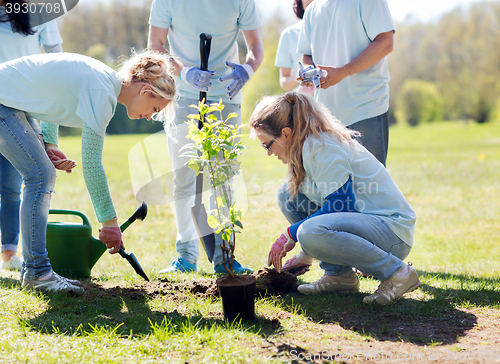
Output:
x=184 y=180
x=343 y=240
x=10 y=204
x=374 y=135
x=20 y=145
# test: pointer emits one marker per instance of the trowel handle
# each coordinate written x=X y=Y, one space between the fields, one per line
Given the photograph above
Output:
x=85 y=221
x=122 y=253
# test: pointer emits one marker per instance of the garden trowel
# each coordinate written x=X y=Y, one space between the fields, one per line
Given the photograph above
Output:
x=139 y=214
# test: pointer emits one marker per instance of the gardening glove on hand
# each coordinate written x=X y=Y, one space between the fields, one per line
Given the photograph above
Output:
x=58 y=158
x=112 y=238
x=240 y=76
x=196 y=78
x=311 y=74
x=281 y=246
x=298 y=264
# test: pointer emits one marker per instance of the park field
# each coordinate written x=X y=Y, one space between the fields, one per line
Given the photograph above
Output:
x=448 y=171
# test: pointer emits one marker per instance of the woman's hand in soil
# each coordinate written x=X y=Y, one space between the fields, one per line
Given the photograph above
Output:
x=279 y=249
x=298 y=264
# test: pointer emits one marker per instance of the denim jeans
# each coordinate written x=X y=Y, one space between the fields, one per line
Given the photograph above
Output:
x=374 y=135
x=10 y=204
x=184 y=180
x=20 y=145
x=343 y=240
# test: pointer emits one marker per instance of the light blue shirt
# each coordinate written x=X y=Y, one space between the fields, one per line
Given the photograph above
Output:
x=286 y=55
x=15 y=45
x=222 y=19
x=61 y=88
x=335 y=32
x=329 y=167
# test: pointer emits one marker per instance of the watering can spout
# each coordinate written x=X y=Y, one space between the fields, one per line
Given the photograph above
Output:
x=96 y=250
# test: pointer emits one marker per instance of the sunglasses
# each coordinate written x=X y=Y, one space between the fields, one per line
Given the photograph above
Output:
x=268 y=145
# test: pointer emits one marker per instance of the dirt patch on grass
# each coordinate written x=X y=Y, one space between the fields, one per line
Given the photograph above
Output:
x=272 y=283
x=269 y=283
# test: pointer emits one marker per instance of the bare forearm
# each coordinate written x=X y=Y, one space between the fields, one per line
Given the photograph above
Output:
x=288 y=80
x=376 y=51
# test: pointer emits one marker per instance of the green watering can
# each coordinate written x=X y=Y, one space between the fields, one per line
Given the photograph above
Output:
x=72 y=249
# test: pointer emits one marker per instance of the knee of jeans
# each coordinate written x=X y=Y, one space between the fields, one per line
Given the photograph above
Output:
x=44 y=176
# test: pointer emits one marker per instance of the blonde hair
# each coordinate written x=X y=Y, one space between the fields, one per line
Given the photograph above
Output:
x=305 y=117
x=155 y=69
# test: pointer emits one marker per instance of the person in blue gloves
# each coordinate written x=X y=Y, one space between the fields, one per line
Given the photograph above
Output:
x=348 y=42
x=182 y=22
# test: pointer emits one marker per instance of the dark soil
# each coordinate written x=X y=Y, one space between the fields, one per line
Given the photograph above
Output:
x=269 y=283
x=272 y=283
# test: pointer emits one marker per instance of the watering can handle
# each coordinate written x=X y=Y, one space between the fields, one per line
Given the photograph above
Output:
x=85 y=221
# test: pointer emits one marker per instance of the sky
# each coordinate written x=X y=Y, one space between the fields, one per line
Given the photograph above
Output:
x=423 y=10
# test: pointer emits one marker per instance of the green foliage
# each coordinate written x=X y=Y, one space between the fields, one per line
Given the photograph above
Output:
x=419 y=101
x=216 y=147
x=459 y=54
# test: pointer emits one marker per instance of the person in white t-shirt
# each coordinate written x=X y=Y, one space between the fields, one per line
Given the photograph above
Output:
x=18 y=39
x=76 y=91
x=287 y=57
x=182 y=22
x=350 y=41
x=343 y=206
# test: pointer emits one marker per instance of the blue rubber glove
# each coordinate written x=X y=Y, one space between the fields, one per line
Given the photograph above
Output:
x=311 y=74
x=240 y=76
x=196 y=78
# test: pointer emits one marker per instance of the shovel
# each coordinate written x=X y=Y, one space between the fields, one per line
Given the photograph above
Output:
x=198 y=211
x=140 y=214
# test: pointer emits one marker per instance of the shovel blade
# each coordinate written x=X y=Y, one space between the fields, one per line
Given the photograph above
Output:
x=206 y=233
x=134 y=263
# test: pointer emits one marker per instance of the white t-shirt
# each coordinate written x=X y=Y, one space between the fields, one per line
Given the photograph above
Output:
x=61 y=88
x=286 y=55
x=334 y=32
x=222 y=19
x=329 y=167
x=15 y=45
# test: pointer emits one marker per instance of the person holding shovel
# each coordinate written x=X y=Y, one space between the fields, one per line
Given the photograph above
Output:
x=343 y=206
x=75 y=91
x=182 y=22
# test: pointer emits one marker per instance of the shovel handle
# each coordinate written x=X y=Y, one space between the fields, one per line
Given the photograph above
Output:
x=205 y=43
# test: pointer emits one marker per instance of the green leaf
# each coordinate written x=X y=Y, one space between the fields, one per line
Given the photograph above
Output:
x=212 y=221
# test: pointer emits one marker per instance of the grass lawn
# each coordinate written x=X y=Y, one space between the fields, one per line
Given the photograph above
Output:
x=450 y=174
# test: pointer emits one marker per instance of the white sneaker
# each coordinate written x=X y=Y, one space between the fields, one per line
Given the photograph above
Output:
x=14 y=263
x=393 y=288
x=54 y=284
x=345 y=283
x=74 y=282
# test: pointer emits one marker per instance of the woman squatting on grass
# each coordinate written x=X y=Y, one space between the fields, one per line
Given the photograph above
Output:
x=343 y=206
x=76 y=91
